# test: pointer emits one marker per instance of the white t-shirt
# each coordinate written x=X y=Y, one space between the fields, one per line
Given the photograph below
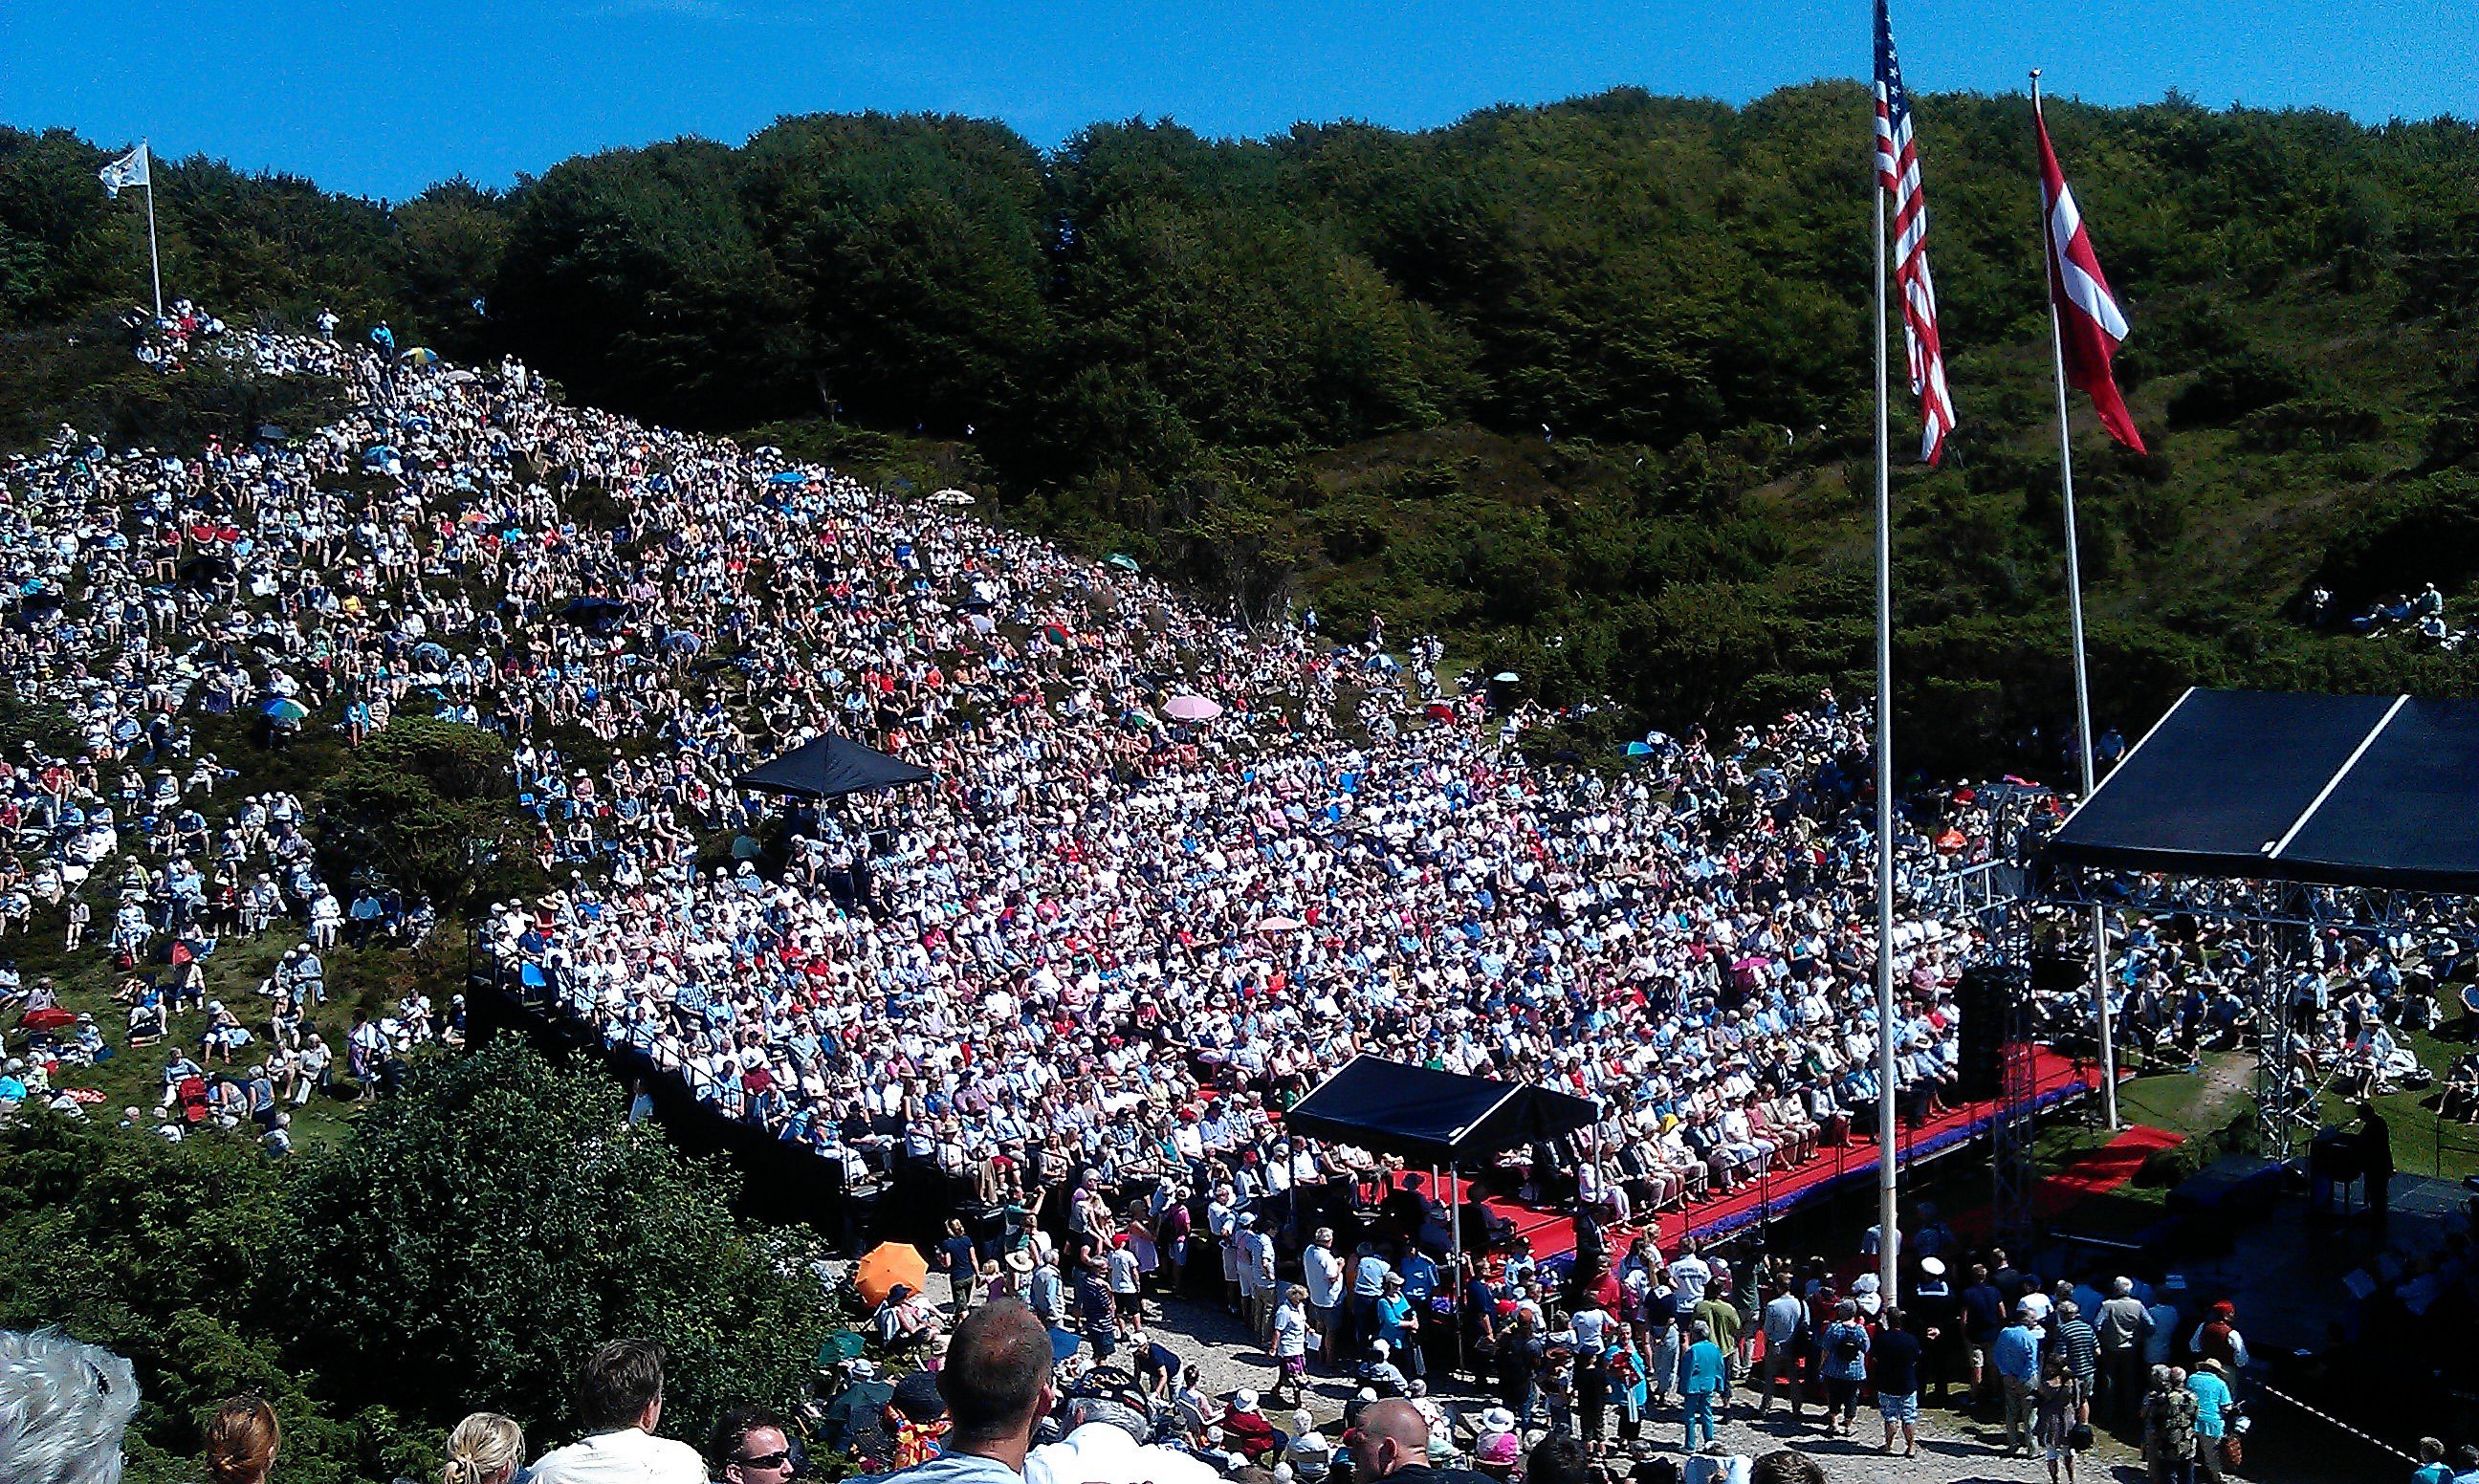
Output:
x=1102 y=1453
x=1689 y=1276
x=1325 y=1272
x=629 y=1456
x=1291 y=1331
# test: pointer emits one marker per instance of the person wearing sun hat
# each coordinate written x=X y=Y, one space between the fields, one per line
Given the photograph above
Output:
x=2210 y=1383
x=1245 y=1428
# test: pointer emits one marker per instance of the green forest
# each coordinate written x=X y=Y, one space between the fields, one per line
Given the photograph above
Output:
x=1584 y=388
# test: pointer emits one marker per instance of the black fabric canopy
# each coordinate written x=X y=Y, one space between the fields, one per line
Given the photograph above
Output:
x=830 y=768
x=2344 y=790
x=1436 y=1116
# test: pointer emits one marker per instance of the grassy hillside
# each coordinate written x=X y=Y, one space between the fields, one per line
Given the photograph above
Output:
x=1584 y=387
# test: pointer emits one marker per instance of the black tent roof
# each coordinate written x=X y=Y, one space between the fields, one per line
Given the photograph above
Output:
x=830 y=768
x=1438 y=1116
x=2344 y=790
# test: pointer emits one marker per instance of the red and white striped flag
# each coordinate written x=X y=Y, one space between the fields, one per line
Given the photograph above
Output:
x=2089 y=326
x=1898 y=171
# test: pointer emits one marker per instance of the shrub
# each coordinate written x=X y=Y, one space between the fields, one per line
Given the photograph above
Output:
x=476 y=1238
x=423 y=804
x=2230 y=388
x=2315 y=423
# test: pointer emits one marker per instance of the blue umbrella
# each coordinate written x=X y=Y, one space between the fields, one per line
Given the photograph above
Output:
x=789 y=476
x=284 y=709
x=1638 y=749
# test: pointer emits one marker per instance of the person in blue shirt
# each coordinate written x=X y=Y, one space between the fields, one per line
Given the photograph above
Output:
x=2432 y=1468
x=2016 y=1357
x=2211 y=1387
x=1842 y=1349
x=997 y=1386
x=1702 y=1375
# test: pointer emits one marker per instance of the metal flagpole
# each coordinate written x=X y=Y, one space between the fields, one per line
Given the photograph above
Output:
x=1886 y=1165
x=154 y=261
x=1455 y=1260
x=2075 y=625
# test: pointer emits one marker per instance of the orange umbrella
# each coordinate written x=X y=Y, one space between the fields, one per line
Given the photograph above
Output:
x=888 y=1264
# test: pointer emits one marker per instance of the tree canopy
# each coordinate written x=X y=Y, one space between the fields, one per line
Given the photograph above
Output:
x=1584 y=385
x=464 y=1246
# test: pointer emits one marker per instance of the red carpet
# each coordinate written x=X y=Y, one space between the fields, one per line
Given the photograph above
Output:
x=2099 y=1171
x=2091 y=1173
x=2057 y=1078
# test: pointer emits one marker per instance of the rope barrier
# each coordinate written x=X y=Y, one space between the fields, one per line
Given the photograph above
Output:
x=2313 y=1412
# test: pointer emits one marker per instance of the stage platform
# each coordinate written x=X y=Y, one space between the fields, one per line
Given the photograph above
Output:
x=2058 y=1079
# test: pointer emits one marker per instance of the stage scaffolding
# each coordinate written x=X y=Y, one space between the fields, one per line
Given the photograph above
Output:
x=2298 y=915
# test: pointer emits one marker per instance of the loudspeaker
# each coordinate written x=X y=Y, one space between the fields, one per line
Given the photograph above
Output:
x=1986 y=994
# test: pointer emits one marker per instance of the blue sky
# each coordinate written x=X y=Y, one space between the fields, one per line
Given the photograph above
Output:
x=383 y=98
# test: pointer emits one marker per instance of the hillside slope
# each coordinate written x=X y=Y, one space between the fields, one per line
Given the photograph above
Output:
x=1584 y=387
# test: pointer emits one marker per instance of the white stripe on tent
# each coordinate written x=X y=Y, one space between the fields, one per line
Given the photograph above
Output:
x=2121 y=763
x=1512 y=1088
x=2335 y=781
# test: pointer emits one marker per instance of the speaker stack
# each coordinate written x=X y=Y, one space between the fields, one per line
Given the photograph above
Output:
x=1986 y=997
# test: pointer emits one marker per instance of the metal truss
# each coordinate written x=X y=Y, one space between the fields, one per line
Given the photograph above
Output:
x=2288 y=1087
x=2012 y=1172
x=2274 y=904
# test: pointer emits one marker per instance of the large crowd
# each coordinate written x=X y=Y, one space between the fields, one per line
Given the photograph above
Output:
x=1173 y=868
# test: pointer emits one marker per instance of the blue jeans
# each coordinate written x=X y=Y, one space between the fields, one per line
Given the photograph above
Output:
x=1699 y=1410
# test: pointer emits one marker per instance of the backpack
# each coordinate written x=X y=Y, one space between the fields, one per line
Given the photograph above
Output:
x=1846 y=1345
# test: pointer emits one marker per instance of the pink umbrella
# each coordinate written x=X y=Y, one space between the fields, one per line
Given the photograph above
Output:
x=1190 y=709
x=1279 y=925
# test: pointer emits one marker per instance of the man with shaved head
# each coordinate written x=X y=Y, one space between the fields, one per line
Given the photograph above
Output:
x=997 y=1386
x=1390 y=1441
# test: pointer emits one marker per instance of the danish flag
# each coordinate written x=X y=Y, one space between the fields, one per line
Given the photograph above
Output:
x=2089 y=326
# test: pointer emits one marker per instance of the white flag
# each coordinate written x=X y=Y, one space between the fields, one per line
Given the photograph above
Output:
x=130 y=169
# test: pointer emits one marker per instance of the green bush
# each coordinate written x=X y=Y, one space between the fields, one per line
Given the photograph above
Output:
x=463 y=1246
x=2230 y=388
x=2315 y=423
x=484 y=1231
x=427 y=805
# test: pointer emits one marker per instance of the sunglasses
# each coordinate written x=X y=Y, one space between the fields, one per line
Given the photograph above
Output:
x=774 y=1460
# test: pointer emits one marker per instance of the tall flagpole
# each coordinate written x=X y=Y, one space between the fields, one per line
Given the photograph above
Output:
x=1887 y=1241
x=2082 y=677
x=154 y=262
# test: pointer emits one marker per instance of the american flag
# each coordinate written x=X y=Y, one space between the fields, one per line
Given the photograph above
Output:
x=1898 y=171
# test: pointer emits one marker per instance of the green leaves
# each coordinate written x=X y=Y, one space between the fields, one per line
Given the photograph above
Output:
x=488 y=1229
x=465 y=1247
x=423 y=804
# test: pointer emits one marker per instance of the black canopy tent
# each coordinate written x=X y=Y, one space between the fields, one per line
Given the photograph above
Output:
x=830 y=768
x=1431 y=1116
x=2375 y=791
x=1420 y=1114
